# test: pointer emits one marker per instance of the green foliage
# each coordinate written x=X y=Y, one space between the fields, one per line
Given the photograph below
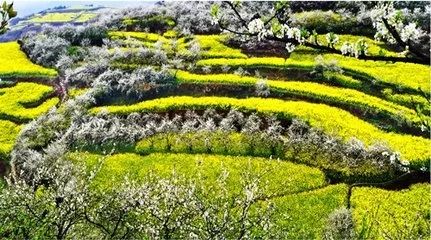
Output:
x=154 y=23
x=149 y=40
x=75 y=92
x=279 y=178
x=330 y=119
x=14 y=63
x=213 y=47
x=303 y=215
x=257 y=62
x=19 y=104
x=397 y=74
x=6 y=83
x=221 y=143
x=386 y=214
x=25 y=101
x=170 y=34
x=324 y=21
x=143 y=36
x=343 y=80
x=409 y=100
x=241 y=144
x=215 y=8
x=7 y=12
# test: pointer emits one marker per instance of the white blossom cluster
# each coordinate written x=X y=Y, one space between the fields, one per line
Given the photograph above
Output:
x=395 y=18
x=360 y=48
x=388 y=12
x=395 y=158
x=295 y=33
x=411 y=33
x=262 y=88
x=214 y=20
x=290 y=47
x=60 y=202
x=257 y=26
x=347 y=49
x=45 y=49
x=292 y=33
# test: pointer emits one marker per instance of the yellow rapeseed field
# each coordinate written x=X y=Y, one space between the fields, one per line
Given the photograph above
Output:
x=14 y=63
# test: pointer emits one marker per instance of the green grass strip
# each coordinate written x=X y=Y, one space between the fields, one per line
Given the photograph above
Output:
x=304 y=215
x=410 y=100
x=330 y=119
x=342 y=80
x=278 y=177
x=384 y=214
x=213 y=47
x=327 y=94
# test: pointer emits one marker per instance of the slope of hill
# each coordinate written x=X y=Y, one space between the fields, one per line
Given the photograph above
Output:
x=172 y=135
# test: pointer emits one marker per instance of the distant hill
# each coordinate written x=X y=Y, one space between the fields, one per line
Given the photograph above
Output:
x=56 y=16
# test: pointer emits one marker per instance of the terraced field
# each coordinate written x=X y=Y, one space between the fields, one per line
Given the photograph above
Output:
x=23 y=101
x=370 y=101
x=62 y=17
x=19 y=105
x=15 y=64
x=361 y=109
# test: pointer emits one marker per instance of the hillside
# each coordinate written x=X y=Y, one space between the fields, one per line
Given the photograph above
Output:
x=207 y=121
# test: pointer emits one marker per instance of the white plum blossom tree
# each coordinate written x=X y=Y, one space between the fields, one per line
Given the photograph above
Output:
x=347 y=49
x=392 y=26
x=274 y=26
x=360 y=48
